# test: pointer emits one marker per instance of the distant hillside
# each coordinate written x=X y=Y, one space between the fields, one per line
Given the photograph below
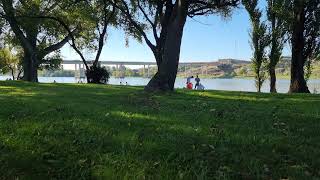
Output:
x=220 y=68
x=229 y=68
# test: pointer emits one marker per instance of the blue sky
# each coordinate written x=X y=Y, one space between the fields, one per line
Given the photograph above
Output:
x=205 y=39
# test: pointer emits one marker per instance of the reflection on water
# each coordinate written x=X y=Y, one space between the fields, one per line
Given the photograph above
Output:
x=215 y=84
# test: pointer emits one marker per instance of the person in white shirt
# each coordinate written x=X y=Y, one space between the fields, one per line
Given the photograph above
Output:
x=200 y=87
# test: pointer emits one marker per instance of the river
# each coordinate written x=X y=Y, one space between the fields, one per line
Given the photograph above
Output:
x=235 y=84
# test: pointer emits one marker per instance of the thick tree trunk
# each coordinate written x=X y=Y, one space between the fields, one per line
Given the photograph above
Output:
x=259 y=84
x=165 y=78
x=273 y=79
x=298 y=83
x=275 y=53
x=30 y=68
x=167 y=70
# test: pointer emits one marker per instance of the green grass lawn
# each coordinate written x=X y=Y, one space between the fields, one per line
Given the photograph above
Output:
x=70 y=131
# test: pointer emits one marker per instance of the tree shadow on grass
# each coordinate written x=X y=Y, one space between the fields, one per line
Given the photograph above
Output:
x=89 y=132
x=140 y=147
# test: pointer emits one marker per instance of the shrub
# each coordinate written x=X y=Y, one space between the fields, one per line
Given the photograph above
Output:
x=97 y=75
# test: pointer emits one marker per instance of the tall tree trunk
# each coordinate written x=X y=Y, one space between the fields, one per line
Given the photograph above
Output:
x=273 y=79
x=30 y=68
x=259 y=80
x=298 y=83
x=259 y=83
x=274 y=53
x=165 y=78
x=12 y=73
x=19 y=74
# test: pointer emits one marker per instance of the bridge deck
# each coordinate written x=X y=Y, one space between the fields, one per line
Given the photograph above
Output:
x=136 y=63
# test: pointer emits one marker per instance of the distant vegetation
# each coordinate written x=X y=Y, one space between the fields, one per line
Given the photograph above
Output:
x=57 y=73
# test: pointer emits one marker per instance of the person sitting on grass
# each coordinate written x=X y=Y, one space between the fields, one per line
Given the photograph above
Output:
x=189 y=79
x=200 y=87
x=189 y=85
x=197 y=82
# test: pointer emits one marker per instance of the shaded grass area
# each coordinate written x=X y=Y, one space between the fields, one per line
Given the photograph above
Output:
x=70 y=131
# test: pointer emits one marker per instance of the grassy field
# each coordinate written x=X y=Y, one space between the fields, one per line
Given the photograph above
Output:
x=70 y=131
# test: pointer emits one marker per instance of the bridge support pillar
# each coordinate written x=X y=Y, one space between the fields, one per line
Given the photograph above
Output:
x=117 y=71
x=122 y=70
x=148 y=75
x=144 y=70
x=76 y=69
x=82 y=71
x=206 y=70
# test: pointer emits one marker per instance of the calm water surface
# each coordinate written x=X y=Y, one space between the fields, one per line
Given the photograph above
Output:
x=235 y=84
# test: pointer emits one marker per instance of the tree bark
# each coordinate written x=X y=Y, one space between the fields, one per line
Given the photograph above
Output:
x=19 y=74
x=27 y=37
x=273 y=79
x=259 y=83
x=12 y=73
x=27 y=42
x=165 y=78
x=274 y=53
x=30 y=68
x=298 y=83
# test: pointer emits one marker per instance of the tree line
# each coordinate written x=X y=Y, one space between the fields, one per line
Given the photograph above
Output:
x=38 y=29
x=296 y=22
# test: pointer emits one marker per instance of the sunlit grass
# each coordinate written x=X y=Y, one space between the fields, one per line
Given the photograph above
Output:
x=72 y=131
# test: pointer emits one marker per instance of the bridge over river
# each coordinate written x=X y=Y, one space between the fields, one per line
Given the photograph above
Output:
x=80 y=69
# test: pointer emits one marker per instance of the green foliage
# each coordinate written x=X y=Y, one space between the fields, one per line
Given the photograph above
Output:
x=70 y=131
x=97 y=75
x=9 y=62
x=311 y=28
x=259 y=69
x=52 y=62
x=57 y=73
x=28 y=28
x=308 y=70
x=48 y=32
x=277 y=30
x=243 y=71
x=89 y=17
x=259 y=40
x=312 y=47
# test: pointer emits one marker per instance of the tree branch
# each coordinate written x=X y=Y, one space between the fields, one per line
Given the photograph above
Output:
x=126 y=11
x=56 y=46
x=70 y=35
x=202 y=7
x=103 y=33
x=153 y=25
